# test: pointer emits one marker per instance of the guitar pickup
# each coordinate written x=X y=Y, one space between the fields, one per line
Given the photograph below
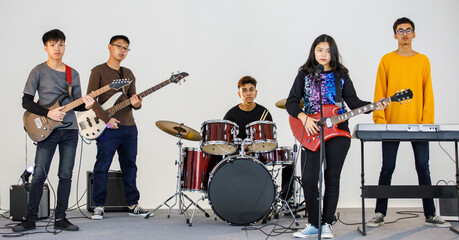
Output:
x=89 y=122
x=96 y=119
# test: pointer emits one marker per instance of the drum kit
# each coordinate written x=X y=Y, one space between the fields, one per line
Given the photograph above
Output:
x=239 y=186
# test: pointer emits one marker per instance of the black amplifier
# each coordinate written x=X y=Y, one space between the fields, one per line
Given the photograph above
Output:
x=116 y=201
x=19 y=197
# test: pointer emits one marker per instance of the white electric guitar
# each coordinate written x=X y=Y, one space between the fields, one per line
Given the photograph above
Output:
x=91 y=127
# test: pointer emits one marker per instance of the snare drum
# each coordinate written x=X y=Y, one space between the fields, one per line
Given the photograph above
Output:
x=263 y=135
x=280 y=155
x=196 y=167
x=241 y=190
x=218 y=137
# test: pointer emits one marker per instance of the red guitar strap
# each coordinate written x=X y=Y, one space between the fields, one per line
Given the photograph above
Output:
x=68 y=74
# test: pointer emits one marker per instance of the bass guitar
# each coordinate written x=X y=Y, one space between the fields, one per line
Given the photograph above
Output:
x=40 y=127
x=91 y=127
x=331 y=120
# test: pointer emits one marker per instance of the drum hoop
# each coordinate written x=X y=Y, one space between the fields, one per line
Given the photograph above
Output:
x=260 y=122
x=219 y=121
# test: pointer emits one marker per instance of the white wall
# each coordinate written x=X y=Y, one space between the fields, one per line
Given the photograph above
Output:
x=217 y=42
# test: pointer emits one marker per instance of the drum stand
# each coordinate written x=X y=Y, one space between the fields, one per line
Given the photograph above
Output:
x=179 y=195
x=284 y=206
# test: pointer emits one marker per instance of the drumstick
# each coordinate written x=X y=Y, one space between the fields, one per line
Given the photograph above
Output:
x=261 y=118
x=264 y=115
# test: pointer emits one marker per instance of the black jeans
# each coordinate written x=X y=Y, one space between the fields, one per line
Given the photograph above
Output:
x=67 y=141
x=335 y=152
x=421 y=157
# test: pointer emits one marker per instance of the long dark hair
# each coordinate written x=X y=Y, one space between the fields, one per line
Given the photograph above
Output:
x=335 y=64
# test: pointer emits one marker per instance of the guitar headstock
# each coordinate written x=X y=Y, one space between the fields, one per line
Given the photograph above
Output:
x=175 y=78
x=119 y=83
x=401 y=96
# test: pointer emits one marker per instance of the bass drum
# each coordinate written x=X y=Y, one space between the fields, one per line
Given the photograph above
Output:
x=241 y=190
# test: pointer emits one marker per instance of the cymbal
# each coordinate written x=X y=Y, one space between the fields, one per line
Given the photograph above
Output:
x=281 y=103
x=174 y=128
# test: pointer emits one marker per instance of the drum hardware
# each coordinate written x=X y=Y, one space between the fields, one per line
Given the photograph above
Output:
x=181 y=131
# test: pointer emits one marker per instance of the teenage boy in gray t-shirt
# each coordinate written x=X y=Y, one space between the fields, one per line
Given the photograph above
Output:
x=50 y=81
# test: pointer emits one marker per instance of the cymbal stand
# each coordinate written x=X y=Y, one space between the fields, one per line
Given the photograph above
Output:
x=178 y=195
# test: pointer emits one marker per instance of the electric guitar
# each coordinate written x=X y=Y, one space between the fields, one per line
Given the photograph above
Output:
x=331 y=120
x=91 y=127
x=40 y=127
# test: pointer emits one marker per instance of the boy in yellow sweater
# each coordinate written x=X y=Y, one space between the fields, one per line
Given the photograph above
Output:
x=405 y=68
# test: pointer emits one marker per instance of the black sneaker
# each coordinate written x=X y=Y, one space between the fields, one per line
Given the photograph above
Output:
x=138 y=211
x=26 y=225
x=65 y=225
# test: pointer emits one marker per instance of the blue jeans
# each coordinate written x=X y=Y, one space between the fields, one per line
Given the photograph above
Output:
x=67 y=140
x=124 y=141
x=421 y=157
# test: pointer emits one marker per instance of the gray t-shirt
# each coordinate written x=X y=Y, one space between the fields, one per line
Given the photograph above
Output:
x=52 y=84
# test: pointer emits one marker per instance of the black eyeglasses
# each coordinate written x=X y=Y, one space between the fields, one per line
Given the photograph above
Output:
x=408 y=31
x=121 y=48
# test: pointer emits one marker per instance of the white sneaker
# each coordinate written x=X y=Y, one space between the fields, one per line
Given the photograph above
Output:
x=327 y=231
x=98 y=213
x=308 y=231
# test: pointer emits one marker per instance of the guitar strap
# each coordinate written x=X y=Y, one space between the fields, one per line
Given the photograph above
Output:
x=68 y=74
x=338 y=99
x=122 y=77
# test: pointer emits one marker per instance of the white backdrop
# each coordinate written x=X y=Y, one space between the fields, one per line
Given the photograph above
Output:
x=217 y=42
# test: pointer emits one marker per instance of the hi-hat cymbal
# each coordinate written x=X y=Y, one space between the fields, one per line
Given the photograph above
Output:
x=174 y=129
x=281 y=103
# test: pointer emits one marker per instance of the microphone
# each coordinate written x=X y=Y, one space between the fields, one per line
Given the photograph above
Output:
x=319 y=69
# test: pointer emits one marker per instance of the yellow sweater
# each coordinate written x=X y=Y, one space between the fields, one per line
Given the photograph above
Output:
x=396 y=72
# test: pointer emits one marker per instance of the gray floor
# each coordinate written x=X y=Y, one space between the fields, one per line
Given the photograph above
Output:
x=118 y=225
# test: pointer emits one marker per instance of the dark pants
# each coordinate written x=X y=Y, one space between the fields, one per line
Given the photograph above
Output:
x=335 y=151
x=124 y=141
x=67 y=141
x=421 y=157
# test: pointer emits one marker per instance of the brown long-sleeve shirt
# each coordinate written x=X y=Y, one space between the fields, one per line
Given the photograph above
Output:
x=102 y=75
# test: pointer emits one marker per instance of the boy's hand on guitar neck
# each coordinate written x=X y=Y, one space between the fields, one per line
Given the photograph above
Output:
x=88 y=101
x=309 y=123
x=56 y=114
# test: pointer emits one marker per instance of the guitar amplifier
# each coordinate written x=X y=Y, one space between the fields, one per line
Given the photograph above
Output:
x=116 y=201
x=19 y=197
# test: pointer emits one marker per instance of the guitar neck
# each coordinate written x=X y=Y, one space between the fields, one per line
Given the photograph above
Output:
x=347 y=115
x=111 y=111
x=70 y=106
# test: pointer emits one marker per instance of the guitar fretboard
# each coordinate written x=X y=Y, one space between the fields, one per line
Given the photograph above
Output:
x=111 y=111
x=76 y=103
x=345 y=116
